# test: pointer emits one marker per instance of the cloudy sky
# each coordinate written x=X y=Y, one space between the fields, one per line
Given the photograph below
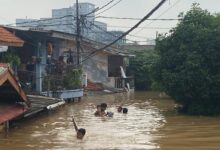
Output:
x=12 y=9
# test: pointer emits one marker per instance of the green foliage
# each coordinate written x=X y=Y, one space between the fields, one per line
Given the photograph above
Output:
x=73 y=79
x=140 y=66
x=11 y=58
x=189 y=62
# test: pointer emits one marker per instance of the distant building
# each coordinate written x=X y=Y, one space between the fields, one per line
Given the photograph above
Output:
x=64 y=20
x=137 y=47
x=26 y=22
x=99 y=31
x=113 y=35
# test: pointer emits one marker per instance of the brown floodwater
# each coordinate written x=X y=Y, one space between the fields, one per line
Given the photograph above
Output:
x=151 y=124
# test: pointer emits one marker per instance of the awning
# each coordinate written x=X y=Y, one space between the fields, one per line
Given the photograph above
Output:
x=9 y=39
x=9 y=112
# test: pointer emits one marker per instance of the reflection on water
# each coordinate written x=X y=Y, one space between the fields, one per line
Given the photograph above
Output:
x=148 y=125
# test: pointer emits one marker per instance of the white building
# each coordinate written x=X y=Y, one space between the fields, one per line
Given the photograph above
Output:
x=26 y=22
x=64 y=20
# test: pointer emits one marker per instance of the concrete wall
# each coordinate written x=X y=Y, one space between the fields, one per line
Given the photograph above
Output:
x=97 y=68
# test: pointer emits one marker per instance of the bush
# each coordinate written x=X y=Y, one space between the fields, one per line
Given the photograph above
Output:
x=73 y=79
x=189 y=62
x=140 y=66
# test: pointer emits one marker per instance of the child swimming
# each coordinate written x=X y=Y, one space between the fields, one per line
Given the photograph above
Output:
x=79 y=132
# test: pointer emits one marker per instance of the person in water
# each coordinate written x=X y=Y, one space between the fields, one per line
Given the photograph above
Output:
x=100 y=111
x=123 y=110
x=80 y=132
x=120 y=109
x=109 y=114
x=97 y=113
x=104 y=106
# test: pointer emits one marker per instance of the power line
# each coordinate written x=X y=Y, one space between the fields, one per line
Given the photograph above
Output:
x=164 y=28
x=130 y=30
x=112 y=34
x=109 y=7
x=161 y=14
x=47 y=25
x=126 y=18
x=98 y=9
x=41 y=20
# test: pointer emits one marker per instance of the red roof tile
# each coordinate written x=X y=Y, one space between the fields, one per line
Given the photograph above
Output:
x=9 y=112
x=9 y=39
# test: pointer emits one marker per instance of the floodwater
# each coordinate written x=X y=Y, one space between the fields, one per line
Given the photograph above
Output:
x=151 y=124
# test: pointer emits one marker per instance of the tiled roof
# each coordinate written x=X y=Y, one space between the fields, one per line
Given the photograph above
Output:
x=9 y=39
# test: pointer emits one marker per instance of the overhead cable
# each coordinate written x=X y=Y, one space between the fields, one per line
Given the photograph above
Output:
x=98 y=9
x=109 y=7
x=127 y=18
x=127 y=32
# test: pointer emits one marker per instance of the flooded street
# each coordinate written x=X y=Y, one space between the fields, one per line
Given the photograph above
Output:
x=149 y=124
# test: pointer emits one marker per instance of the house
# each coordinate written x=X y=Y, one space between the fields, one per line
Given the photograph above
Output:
x=9 y=39
x=13 y=100
x=44 y=48
x=42 y=70
x=107 y=67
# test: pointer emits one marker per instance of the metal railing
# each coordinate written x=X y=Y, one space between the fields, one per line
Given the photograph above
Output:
x=55 y=77
x=122 y=82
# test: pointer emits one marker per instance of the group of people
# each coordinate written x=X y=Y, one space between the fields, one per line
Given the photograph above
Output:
x=101 y=112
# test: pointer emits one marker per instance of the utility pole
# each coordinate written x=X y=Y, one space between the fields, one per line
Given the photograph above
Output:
x=77 y=32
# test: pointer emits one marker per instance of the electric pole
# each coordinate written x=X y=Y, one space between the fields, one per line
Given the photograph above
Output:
x=77 y=33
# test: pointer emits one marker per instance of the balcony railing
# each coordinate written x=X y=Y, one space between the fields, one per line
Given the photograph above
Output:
x=55 y=77
x=124 y=82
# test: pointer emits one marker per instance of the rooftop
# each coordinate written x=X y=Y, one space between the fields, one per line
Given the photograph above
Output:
x=9 y=39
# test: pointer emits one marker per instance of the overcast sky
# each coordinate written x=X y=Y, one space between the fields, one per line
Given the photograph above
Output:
x=12 y=9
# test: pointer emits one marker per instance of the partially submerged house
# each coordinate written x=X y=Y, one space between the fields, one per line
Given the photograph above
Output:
x=48 y=56
x=43 y=69
x=107 y=67
x=13 y=101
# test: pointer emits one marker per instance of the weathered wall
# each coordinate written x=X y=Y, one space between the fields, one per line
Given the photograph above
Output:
x=97 y=70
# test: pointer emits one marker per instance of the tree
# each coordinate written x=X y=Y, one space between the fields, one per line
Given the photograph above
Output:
x=140 y=67
x=189 y=63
